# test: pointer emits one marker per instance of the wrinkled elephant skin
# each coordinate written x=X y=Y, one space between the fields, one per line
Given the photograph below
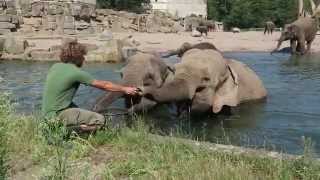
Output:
x=142 y=70
x=208 y=81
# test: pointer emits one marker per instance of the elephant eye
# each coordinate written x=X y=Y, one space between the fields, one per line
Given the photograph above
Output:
x=148 y=76
x=205 y=79
x=199 y=89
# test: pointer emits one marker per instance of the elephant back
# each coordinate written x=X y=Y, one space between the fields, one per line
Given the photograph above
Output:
x=203 y=58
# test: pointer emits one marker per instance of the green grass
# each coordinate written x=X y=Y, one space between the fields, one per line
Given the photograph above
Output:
x=131 y=153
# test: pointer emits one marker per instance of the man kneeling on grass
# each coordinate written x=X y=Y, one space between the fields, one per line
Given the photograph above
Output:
x=62 y=82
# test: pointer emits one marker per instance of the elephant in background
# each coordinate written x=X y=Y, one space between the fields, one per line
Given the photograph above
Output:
x=194 y=21
x=187 y=46
x=141 y=70
x=210 y=24
x=299 y=33
x=206 y=81
x=202 y=30
x=269 y=27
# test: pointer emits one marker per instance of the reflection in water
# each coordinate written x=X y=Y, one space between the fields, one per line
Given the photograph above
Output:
x=290 y=112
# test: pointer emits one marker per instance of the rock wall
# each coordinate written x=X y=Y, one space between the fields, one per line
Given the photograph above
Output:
x=76 y=17
x=61 y=18
x=54 y=16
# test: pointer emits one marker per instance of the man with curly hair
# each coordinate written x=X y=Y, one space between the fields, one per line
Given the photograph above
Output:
x=63 y=81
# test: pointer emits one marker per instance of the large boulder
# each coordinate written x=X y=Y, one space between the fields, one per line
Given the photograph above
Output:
x=55 y=8
x=4 y=31
x=37 y=9
x=7 y=25
x=106 y=36
x=110 y=52
x=86 y=12
x=34 y=23
x=81 y=25
x=16 y=19
x=11 y=11
x=69 y=25
x=14 y=45
x=5 y=18
x=160 y=22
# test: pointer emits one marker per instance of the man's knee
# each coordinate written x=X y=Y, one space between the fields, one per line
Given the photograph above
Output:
x=77 y=116
x=99 y=119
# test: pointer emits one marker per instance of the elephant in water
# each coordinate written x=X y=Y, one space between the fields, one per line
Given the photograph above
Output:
x=205 y=81
x=299 y=32
x=142 y=70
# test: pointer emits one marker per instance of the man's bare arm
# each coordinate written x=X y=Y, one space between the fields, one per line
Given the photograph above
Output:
x=109 y=86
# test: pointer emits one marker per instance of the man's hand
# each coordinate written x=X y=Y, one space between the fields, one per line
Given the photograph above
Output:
x=130 y=90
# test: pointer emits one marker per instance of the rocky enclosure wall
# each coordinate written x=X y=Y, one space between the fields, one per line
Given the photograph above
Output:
x=54 y=16
x=22 y=21
x=75 y=17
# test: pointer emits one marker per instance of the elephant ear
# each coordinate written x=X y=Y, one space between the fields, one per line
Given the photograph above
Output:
x=293 y=29
x=227 y=92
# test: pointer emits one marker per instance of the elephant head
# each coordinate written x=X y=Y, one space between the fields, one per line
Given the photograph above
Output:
x=141 y=70
x=300 y=32
x=203 y=79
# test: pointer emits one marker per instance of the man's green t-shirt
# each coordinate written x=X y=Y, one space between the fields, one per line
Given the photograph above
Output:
x=62 y=82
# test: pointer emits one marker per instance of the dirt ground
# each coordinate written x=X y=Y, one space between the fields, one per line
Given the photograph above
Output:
x=251 y=41
x=224 y=41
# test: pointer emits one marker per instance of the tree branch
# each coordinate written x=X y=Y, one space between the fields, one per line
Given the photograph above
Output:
x=300 y=13
x=313 y=6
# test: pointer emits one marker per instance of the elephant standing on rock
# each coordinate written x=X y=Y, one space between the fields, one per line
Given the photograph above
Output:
x=206 y=81
x=142 y=70
x=299 y=33
x=269 y=27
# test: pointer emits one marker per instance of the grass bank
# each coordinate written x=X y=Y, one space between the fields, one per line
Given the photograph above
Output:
x=125 y=153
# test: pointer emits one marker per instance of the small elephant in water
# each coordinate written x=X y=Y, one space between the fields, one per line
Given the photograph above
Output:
x=299 y=33
x=206 y=81
x=269 y=27
x=142 y=70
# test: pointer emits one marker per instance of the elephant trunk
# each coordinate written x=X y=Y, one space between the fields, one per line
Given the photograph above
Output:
x=103 y=102
x=278 y=46
x=177 y=90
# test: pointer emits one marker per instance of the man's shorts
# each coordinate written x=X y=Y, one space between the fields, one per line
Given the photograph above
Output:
x=75 y=117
